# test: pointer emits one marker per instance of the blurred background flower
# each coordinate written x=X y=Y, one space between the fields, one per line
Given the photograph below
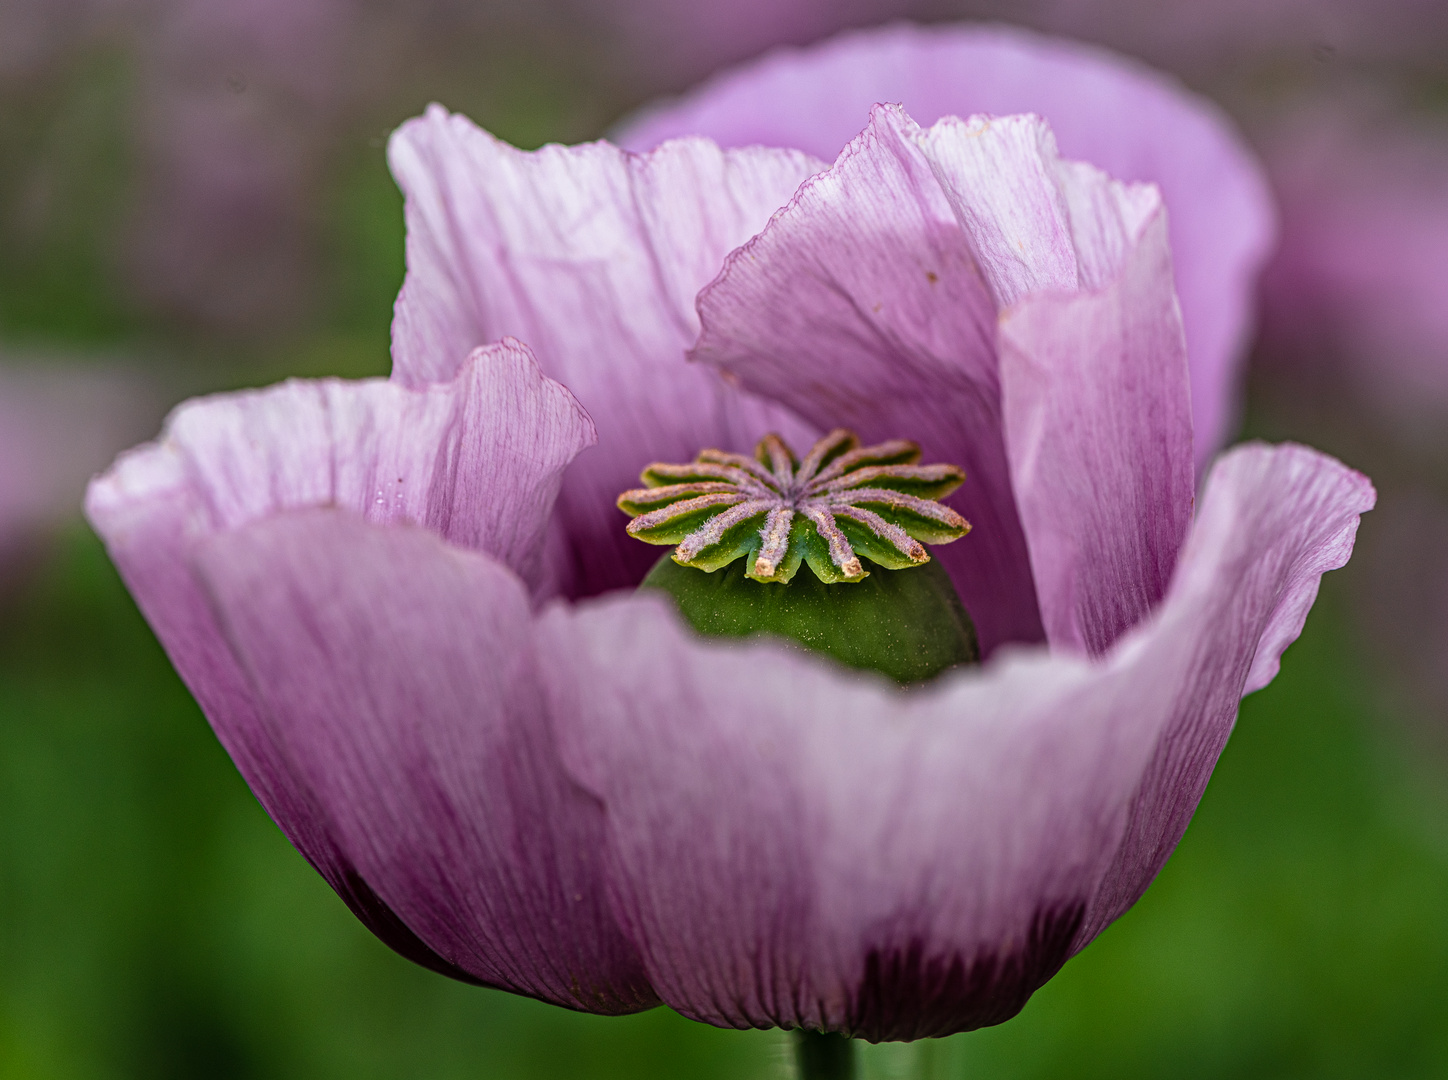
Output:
x=58 y=426
x=1359 y=286
x=200 y=187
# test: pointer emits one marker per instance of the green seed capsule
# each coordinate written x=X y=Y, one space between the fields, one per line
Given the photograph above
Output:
x=780 y=545
x=909 y=625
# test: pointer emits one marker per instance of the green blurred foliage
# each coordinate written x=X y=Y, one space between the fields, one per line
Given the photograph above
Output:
x=65 y=175
x=154 y=923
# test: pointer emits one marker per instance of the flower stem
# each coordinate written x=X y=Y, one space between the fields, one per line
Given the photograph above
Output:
x=824 y=1056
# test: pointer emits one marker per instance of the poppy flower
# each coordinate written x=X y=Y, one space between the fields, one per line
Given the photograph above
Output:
x=404 y=605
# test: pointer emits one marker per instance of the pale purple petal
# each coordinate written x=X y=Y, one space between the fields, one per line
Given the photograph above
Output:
x=149 y=517
x=1098 y=431
x=593 y=256
x=861 y=306
x=493 y=442
x=1034 y=223
x=1272 y=521
x=478 y=459
x=1134 y=123
x=872 y=300
x=397 y=675
x=792 y=844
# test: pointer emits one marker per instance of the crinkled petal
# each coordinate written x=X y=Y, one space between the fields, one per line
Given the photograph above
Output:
x=872 y=301
x=476 y=459
x=396 y=674
x=1034 y=223
x=1273 y=520
x=1132 y=122
x=791 y=844
x=1098 y=429
x=593 y=256
x=861 y=305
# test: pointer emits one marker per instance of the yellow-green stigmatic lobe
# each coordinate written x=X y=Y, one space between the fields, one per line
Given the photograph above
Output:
x=843 y=501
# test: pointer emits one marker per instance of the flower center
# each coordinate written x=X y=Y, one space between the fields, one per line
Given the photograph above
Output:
x=843 y=501
x=841 y=507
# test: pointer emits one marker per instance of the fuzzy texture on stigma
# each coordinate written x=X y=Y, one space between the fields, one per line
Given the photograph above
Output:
x=842 y=501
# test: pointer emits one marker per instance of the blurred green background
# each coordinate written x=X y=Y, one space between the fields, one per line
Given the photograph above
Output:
x=155 y=924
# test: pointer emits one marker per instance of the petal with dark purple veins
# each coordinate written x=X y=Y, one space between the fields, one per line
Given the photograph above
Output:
x=593 y=256
x=397 y=675
x=1098 y=431
x=791 y=844
x=1117 y=114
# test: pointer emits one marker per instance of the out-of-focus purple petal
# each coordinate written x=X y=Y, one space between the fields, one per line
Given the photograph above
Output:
x=1098 y=429
x=1245 y=39
x=593 y=256
x=396 y=674
x=1361 y=281
x=872 y=300
x=1134 y=123
x=947 y=849
x=60 y=423
x=460 y=452
x=674 y=42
